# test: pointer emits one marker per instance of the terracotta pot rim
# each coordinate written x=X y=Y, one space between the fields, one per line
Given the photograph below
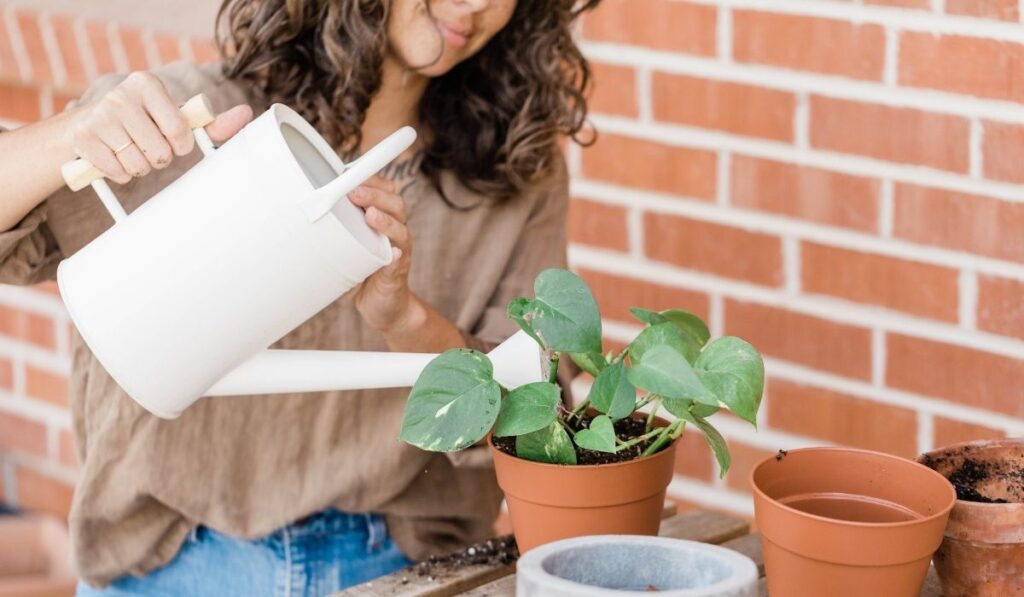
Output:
x=979 y=443
x=866 y=525
x=612 y=465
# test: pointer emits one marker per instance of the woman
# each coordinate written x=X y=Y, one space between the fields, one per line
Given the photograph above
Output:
x=307 y=494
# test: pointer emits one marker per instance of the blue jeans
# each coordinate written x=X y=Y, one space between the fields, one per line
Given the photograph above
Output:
x=324 y=553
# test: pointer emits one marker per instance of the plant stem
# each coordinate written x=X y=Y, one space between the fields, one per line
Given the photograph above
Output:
x=671 y=432
x=641 y=439
x=567 y=427
x=650 y=416
x=645 y=401
x=553 y=372
x=577 y=412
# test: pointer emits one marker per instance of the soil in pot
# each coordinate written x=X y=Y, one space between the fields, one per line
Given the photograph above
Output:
x=982 y=554
x=625 y=429
x=606 y=494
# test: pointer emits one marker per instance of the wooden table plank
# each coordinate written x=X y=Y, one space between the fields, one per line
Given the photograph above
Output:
x=503 y=587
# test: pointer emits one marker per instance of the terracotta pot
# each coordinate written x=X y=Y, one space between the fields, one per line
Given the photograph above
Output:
x=848 y=523
x=982 y=554
x=548 y=502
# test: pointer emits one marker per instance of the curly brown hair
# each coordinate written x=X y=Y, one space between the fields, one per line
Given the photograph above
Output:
x=493 y=120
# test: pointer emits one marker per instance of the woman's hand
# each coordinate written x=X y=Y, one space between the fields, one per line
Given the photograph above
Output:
x=384 y=299
x=137 y=126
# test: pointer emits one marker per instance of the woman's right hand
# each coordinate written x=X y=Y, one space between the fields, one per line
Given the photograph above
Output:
x=137 y=126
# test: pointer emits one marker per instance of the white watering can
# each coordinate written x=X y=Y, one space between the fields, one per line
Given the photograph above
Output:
x=180 y=299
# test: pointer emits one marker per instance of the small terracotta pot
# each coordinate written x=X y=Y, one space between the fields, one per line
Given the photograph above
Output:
x=877 y=540
x=982 y=554
x=548 y=502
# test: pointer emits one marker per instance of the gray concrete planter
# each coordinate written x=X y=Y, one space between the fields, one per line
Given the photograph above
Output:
x=621 y=565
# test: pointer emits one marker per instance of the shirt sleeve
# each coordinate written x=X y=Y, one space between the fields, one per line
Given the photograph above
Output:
x=29 y=254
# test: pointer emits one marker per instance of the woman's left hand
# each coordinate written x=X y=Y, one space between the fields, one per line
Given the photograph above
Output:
x=384 y=299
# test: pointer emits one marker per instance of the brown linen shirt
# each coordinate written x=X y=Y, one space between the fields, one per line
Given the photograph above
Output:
x=248 y=465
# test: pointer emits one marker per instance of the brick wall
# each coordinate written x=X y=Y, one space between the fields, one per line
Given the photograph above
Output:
x=840 y=182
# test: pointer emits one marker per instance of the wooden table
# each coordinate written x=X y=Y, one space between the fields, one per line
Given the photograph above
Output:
x=499 y=580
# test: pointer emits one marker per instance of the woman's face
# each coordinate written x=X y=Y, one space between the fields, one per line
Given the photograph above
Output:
x=432 y=40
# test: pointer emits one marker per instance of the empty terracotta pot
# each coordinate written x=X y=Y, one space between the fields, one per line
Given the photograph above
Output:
x=982 y=554
x=548 y=502
x=848 y=523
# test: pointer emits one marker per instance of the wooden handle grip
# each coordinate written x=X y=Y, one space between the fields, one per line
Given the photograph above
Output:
x=79 y=173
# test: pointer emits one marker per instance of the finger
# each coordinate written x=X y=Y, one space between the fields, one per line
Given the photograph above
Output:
x=147 y=137
x=168 y=117
x=387 y=225
x=101 y=156
x=386 y=201
x=229 y=122
x=134 y=163
x=379 y=182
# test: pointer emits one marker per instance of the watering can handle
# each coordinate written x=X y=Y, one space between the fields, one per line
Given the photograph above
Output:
x=198 y=111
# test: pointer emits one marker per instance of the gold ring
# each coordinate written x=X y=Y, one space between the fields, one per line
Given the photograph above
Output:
x=127 y=144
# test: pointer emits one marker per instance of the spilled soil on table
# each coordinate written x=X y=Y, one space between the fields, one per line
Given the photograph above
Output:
x=499 y=551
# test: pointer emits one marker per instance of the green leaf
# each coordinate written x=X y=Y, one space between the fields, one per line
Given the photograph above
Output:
x=454 y=403
x=591 y=362
x=599 y=436
x=664 y=334
x=646 y=315
x=527 y=409
x=715 y=440
x=612 y=393
x=663 y=370
x=563 y=316
x=733 y=371
x=692 y=327
x=550 y=444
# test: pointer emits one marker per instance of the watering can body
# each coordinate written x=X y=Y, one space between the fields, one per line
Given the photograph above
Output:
x=241 y=249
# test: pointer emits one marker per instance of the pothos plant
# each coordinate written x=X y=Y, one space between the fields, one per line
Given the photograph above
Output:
x=670 y=365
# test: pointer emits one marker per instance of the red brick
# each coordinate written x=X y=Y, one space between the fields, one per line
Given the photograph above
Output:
x=693 y=457
x=614 y=90
x=732 y=107
x=648 y=165
x=67 y=454
x=896 y=134
x=961 y=222
x=841 y=419
x=28 y=326
x=204 y=50
x=22 y=435
x=167 y=47
x=1006 y=10
x=972 y=377
x=38 y=492
x=134 y=48
x=808 y=43
x=913 y=287
x=61 y=100
x=51 y=387
x=1001 y=306
x=806 y=193
x=970 y=65
x=71 y=56
x=20 y=102
x=99 y=42
x=743 y=460
x=8 y=62
x=6 y=374
x=660 y=24
x=616 y=294
x=598 y=224
x=32 y=36
x=1002 y=147
x=713 y=248
x=837 y=348
x=948 y=432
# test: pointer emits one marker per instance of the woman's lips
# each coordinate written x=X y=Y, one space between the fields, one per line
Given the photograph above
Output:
x=454 y=36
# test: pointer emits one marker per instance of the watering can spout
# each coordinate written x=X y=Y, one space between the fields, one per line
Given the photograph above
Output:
x=516 y=361
x=356 y=172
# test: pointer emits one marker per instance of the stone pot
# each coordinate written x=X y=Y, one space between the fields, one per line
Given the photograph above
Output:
x=548 y=502
x=982 y=554
x=622 y=565
x=848 y=523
